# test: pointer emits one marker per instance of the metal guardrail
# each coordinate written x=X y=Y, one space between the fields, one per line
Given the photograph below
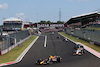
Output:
x=13 y=38
x=90 y=35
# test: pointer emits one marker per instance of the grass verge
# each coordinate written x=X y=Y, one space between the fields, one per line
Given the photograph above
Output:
x=14 y=53
x=95 y=47
x=93 y=28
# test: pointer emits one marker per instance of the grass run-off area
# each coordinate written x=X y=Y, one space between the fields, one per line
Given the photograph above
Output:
x=92 y=28
x=14 y=53
x=95 y=47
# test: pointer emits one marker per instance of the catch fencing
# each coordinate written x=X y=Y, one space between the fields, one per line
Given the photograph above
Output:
x=11 y=39
x=86 y=34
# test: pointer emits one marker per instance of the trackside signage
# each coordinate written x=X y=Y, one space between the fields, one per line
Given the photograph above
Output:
x=42 y=25
x=50 y=25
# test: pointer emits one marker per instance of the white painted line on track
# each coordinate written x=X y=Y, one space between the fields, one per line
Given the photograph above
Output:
x=45 y=41
x=25 y=51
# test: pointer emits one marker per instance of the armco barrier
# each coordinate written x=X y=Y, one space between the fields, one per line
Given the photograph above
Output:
x=20 y=56
x=11 y=39
x=11 y=47
x=89 y=35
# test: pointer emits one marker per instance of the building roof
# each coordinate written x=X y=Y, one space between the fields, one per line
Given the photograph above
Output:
x=86 y=14
x=81 y=17
x=12 y=19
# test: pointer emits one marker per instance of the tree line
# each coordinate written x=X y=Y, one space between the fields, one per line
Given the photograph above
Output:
x=49 y=22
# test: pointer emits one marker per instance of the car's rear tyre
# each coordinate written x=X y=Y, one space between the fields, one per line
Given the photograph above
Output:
x=84 y=51
x=50 y=62
x=60 y=60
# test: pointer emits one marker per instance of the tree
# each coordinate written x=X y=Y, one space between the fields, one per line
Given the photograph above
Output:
x=60 y=22
x=48 y=22
x=43 y=22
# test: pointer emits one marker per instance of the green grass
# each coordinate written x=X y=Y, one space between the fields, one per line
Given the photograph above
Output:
x=0 y=41
x=14 y=53
x=92 y=28
x=95 y=47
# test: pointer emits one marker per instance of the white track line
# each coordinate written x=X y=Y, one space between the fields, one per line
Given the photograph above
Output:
x=45 y=41
x=26 y=50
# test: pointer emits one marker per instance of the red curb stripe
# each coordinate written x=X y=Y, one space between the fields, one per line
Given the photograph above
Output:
x=11 y=62
x=3 y=64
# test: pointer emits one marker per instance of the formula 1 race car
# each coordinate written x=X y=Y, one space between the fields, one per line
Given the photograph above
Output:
x=52 y=33
x=65 y=39
x=43 y=62
x=78 y=46
x=58 y=37
x=50 y=60
x=78 y=52
x=54 y=58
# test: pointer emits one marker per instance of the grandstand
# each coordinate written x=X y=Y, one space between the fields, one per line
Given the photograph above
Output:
x=85 y=26
x=15 y=24
x=85 y=20
x=12 y=23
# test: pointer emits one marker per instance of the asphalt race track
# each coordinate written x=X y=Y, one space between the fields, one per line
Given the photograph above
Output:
x=56 y=46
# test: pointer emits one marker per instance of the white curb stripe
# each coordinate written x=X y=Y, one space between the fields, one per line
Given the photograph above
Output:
x=21 y=55
x=25 y=51
x=8 y=63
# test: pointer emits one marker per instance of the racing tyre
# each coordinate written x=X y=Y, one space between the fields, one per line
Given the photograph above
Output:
x=60 y=60
x=84 y=51
x=50 y=62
